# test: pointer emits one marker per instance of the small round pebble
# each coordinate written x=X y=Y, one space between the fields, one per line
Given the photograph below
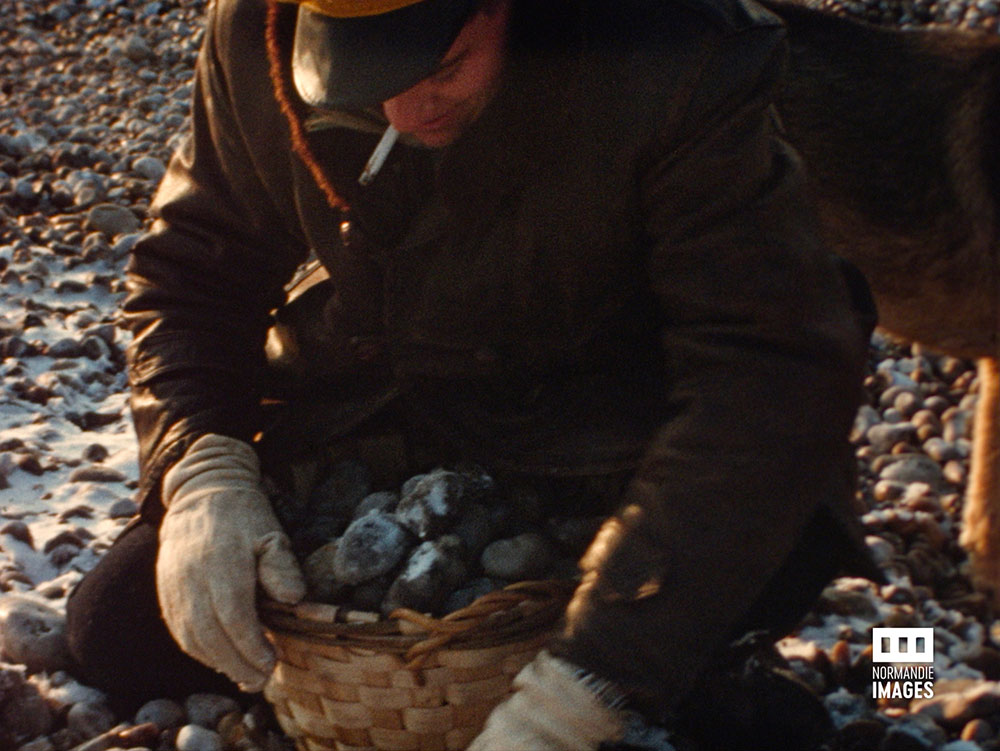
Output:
x=164 y=713
x=525 y=556
x=198 y=738
x=207 y=709
x=89 y=719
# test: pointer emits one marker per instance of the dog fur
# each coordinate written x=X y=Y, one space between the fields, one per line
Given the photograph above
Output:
x=900 y=133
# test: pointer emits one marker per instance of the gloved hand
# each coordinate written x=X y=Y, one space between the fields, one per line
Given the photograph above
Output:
x=218 y=540
x=552 y=710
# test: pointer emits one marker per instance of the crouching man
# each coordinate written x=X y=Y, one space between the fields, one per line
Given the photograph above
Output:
x=578 y=249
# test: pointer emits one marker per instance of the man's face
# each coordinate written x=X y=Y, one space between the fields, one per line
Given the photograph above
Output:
x=437 y=110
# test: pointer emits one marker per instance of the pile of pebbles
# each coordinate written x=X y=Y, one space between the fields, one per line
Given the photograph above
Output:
x=972 y=15
x=446 y=538
x=93 y=99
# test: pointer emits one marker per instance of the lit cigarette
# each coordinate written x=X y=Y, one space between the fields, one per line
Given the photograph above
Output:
x=378 y=157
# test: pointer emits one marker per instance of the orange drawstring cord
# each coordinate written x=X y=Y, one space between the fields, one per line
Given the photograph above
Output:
x=299 y=143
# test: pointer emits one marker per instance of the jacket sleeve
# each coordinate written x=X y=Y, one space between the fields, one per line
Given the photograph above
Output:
x=763 y=359
x=202 y=282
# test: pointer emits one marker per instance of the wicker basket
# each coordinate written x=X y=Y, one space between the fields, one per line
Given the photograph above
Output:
x=349 y=681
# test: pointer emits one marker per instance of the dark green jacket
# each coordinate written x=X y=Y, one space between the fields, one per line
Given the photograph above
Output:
x=613 y=267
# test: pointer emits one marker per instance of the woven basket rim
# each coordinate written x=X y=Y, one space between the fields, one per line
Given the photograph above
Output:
x=510 y=614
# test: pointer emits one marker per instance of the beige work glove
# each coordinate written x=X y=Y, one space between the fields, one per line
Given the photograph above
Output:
x=218 y=541
x=552 y=709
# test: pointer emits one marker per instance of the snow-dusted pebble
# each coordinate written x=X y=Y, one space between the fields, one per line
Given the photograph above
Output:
x=198 y=738
x=164 y=713
x=206 y=710
x=433 y=503
x=431 y=572
x=97 y=473
x=95 y=453
x=123 y=508
x=33 y=634
x=66 y=347
x=76 y=537
x=61 y=555
x=369 y=547
x=18 y=530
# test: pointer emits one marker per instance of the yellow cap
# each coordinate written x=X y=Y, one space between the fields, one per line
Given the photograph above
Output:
x=353 y=8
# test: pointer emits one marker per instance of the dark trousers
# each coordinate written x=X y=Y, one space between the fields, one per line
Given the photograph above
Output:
x=117 y=636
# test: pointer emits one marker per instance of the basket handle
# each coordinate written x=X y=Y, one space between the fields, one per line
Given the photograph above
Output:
x=521 y=595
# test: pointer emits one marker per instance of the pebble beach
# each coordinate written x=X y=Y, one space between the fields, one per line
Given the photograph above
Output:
x=94 y=98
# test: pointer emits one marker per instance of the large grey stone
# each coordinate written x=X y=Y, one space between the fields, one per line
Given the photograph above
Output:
x=33 y=634
x=149 y=167
x=432 y=571
x=525 y=556
x=433 y=503
x=369 y=547
x=112 y=219
x=88 y=719
x=914 y=468
x=164 y=713
x=207 y=709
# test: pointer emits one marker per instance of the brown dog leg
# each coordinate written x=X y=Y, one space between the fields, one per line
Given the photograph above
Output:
x=981 y=516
